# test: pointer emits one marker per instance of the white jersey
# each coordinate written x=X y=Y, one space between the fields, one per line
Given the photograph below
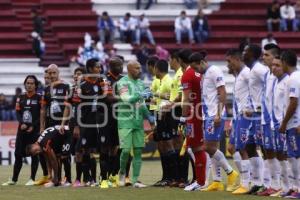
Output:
x=212 y=79
x=256 y=83
x=241 y=91
x=293 y=90
x=266 y=108
x=279 y=100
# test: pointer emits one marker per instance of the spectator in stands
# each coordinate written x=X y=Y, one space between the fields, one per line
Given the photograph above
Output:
x=297 y=10
x=106 y=28
x=268 y=40
x=273 y=16
x=200 y=26
x=38 y=46
x=183 y=26
x=142 y=54
x=127 y=26
x=288 y=15
x=190 y=4
x=143 y=30
x=5 y=108
x=148 y=5
x=243 y=43
x=37 y=22
x=161 y=53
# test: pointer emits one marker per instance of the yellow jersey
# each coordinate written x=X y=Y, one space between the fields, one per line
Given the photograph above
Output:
x=176 y=85
x=164 y=88
x=154 y=89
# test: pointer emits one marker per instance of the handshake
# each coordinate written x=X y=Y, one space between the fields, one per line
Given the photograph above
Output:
x=146 y=94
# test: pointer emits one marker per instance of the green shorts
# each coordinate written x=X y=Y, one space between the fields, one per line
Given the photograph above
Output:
x=131 y=138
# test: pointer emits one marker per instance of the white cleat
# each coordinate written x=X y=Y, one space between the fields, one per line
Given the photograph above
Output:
x=49 y=184
x=30 y=183
x=139 y=185
x=193 y=187
x=122 y=179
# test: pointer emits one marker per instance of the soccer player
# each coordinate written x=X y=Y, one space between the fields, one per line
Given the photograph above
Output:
x=213 y=108
x=191 y=114
x=251 y=55
x=291 y=119
x=50 y=143
x=164 y=134
x=279 y=105
x=241 y=104
x=131 y=113
x=28 y=107
x=271 y=164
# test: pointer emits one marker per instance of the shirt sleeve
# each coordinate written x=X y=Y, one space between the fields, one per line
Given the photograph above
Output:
x=293 y=88
x=218 y=78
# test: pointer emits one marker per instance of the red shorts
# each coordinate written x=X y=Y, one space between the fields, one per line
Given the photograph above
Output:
x=194 y=137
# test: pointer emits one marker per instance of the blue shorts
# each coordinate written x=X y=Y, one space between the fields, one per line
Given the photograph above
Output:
x=280 y=140
x=210 y=132
x=269 y=138
x=243 y=129
x=233 y=132
x=293 y=143
x=256 y=134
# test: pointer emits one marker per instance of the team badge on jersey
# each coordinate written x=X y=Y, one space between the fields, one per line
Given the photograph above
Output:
x=27 y=117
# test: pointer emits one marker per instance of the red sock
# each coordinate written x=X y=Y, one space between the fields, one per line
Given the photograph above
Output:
x=200 y=167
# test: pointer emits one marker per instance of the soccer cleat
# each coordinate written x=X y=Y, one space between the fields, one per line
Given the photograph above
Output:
x=294 y=195
x=77 y=184
x=49 y=184
x=267 y=192
x=241 y=190
x=42 y=181
x=232 y=181
x=122 y=180
x=9 y=182
x=65 y=184
x=157 y=184
x=193 y=187
x=94 y=184
x=127 y=182
x=114 y=180
x=104 y=184
x=285 y=194
x=214 y=186
x=139 y=185
x=29 y=183
x=255 y=189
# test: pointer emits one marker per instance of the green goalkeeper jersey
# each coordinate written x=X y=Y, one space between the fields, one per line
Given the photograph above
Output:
x=131 y=108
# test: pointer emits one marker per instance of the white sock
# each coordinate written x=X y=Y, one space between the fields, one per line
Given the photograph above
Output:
x=256 y=166
x=208 y=168
x=294 y=171
x=285 y=176
x=216 y=170
x=267 y=174
x=245 y=173
x=237 y=160
x=275 y=170
x=219 y=156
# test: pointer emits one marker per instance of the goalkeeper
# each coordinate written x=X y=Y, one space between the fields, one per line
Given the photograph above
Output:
x=131 y=114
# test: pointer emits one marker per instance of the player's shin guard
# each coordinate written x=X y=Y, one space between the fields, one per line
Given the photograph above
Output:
x=34 y=166
x=17 y=167
x=136 y=164
x=104 y=165
x=67 y=167
x=200 y=167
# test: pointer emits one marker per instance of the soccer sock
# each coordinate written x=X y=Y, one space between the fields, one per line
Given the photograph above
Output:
x=172 y=157
x=104 y=166
x=136 y=164
x=245 y=173
x=274 y=167
x=220 y=158
x=184 y=167
x=285 y=176
x=267 y=174
x=124 y=160
x=114 y=165
x=256 y=165
x=208 y=167
x=164 y=165
x=17 y=167
x=216 y=170
x=128 y=165
x=93 y=168
x=295 y=171
x=78 y=171
x=86 y=167
x=200 y=167
x=34 y=166
x=237 y=160
x=43 y=164
x=67 y=168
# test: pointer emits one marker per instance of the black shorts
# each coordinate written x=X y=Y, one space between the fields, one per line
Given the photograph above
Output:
x=109 y=136
x=164 y=129
x=23 y=140
x=89 y=139
x=67 y=145
x=174 y=120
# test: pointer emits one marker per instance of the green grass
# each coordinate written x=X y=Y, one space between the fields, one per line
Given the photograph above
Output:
x=150 y=173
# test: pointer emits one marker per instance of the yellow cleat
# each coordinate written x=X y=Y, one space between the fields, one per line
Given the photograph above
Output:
x=104 y=184
x=214 y=186
x=114 y=180
x=42 y=181
x=232 y=181
x=241 y=190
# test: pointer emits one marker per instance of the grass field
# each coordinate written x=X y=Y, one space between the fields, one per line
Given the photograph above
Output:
x=150 y=173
